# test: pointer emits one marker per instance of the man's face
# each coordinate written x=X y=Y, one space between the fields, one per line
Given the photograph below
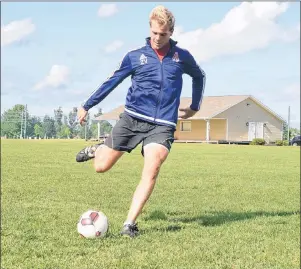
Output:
x=159 y=34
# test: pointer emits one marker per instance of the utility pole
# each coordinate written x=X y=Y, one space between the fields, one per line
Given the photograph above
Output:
x=21 y=125
x=98 y=130
x=86 y=131
x=25 y=121
x=288 y=124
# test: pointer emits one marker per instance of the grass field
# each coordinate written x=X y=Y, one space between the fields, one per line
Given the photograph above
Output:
x=215 y=206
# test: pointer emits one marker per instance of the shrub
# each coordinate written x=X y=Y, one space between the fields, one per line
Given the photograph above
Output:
x=281 y=142
x=258 y=141
x=285 y=143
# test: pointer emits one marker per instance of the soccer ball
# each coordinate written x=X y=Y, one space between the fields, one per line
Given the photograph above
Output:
x=92 y=224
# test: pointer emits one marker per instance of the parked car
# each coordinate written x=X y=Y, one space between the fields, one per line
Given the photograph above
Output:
x=296 y=141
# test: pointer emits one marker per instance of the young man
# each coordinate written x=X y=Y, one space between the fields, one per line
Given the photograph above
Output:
x=151 y=109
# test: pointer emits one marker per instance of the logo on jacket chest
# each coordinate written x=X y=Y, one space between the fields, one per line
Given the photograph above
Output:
x=175 y=57
x=143 y=59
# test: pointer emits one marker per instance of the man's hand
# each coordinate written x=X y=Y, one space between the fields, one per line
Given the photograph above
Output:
x=81 y=114
x=188 y=112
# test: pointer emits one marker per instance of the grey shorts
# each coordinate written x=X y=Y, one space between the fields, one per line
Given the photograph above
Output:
x=129 y=132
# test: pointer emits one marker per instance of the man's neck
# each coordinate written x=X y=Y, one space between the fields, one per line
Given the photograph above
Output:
x=165 y=48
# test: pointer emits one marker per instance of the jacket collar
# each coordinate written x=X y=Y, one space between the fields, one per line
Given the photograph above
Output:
x=172 y=42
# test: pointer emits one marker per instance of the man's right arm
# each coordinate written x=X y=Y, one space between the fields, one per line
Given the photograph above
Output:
x=123 y=71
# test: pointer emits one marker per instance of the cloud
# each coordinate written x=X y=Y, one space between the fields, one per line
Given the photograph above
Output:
x=248 y=26
x=107 y=10
x=58 y=76
x=16 y=31
x=117 y=44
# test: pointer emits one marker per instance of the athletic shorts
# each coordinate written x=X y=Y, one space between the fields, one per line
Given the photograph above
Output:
x=129 y=132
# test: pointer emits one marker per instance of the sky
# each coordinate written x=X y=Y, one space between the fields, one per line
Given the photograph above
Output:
x=56 y=54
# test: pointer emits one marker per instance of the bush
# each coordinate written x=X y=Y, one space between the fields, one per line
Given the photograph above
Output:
x=285 y=143
x=281 y=142
x=258 y=141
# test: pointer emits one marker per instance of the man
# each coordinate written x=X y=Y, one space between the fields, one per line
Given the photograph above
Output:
x=151 y=109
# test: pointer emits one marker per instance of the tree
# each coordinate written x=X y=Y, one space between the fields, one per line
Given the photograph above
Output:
x=105 y=127
x=85 y=130
x=58 y=117
x=38 y=130
x=64 y=132
x=293 y=132
x=94 y=130
x=72 y=123
x=31 y=123
x=11 y=121
x=99 y=113
x=49 y=127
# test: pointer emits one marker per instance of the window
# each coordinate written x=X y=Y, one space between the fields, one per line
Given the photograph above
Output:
x=185 y=126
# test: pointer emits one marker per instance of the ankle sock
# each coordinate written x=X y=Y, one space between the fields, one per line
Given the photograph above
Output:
x=129 y=222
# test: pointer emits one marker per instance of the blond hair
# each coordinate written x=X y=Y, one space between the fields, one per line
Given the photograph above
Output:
x=163 y=16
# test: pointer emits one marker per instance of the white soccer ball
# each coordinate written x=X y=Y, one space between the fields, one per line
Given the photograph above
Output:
x=93 y=224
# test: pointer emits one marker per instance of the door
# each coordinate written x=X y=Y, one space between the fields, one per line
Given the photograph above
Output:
x=255 y=130
x=259 y=129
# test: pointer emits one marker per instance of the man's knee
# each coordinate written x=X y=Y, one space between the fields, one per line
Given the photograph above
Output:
x=155 y=154
x=101 y=167
x=105 y=158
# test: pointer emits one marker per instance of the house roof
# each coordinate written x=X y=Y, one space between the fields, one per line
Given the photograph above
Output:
x=211 y=107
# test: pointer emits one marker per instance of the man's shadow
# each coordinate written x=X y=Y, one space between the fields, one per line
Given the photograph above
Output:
x=210 y=218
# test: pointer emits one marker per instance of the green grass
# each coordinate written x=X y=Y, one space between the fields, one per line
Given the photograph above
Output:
x=214 y=206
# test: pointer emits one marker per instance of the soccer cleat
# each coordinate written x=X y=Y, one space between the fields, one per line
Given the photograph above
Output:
x=87 y=153
x=130 y=230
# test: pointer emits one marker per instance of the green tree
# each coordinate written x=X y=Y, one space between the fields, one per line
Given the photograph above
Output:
x=72 y=122
x=105 y=127
x=85 y=130
x=48 y=126
x=38 y=130
x=11 y=121
x=58 y=117
x=31 y=123
x=293 y=132
x=94 y=130
x=64 y=132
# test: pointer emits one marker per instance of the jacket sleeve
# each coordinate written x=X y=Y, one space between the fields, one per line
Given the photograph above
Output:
x=198 y=81
x=123 y=71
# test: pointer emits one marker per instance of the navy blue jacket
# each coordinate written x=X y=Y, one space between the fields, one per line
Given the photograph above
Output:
x=155 y=92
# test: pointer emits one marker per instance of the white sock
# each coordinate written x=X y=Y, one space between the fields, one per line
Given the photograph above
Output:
x=129 y=222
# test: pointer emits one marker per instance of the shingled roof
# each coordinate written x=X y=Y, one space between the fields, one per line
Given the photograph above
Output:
x=211 y=107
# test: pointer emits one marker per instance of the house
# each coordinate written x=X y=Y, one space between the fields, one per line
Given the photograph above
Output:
x=227 y=118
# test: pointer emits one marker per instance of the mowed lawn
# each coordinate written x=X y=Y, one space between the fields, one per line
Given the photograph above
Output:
x=214 y=206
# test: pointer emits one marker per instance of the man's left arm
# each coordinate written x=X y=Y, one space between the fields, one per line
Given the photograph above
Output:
x=198 y=84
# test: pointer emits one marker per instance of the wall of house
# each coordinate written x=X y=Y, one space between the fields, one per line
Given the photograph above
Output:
x=198 y=131
x=242 y=113
x=218 y=129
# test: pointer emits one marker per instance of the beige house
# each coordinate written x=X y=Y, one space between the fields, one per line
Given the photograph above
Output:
x=224 y=118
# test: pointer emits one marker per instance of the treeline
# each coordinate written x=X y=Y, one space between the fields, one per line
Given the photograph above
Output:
x=292 y=132
x=17 y=122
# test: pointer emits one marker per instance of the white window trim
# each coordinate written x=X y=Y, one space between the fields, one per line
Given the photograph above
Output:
x=181 y=126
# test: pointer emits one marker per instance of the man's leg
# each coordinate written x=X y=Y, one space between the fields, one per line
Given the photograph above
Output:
x=122 y=139
x=105 y=158
x=154 y=156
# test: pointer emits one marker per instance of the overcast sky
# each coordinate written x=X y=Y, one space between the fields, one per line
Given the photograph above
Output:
x=56 y=54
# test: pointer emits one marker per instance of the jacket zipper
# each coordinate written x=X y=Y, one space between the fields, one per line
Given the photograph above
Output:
x=160 y=93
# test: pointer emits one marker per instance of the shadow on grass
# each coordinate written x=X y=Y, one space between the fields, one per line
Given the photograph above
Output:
x=211 y=218
x=219 y=218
